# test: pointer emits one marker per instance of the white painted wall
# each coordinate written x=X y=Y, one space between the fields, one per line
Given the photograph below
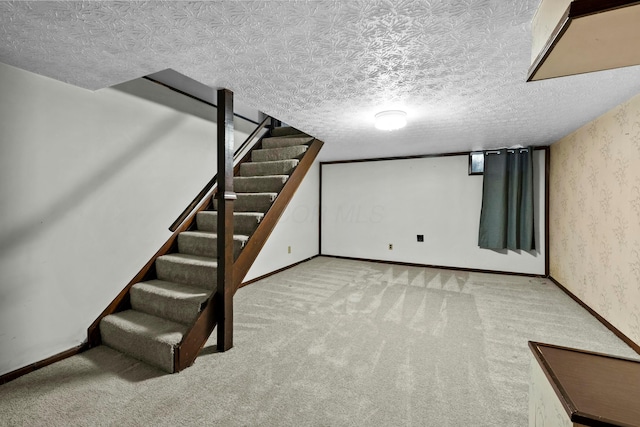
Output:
x=89 y=184
x=368 y=205
x=297 y=228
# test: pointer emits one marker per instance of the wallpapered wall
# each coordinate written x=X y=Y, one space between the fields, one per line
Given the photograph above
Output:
x=595 y=215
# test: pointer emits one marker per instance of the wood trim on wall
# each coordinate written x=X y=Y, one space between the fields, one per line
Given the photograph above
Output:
x=10 y=376
x=195 y=338
x=547 y=197
x=280 y=270
x=194 y=97
x=320 y=211
x=547 y=150
x=122 y=300
x=382 y=159
x=601 y=319
x=259 y=238
x=440 y=267
x=418 y=156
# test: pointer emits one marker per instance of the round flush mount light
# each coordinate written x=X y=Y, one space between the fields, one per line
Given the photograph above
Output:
x=391 y=120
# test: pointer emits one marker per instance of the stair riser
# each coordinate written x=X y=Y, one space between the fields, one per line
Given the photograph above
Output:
x=250 y=203
x=283 y=167
x=194 y=275
x=263 y=184
x=204 y=246
x=154 y=353
x=168 y=308
x=242 y=224
x=286 y=131
x=268 y=143
x=274 y=154
x=163 y=309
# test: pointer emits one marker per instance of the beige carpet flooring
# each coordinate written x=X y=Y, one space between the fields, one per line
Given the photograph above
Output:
x=334 y=342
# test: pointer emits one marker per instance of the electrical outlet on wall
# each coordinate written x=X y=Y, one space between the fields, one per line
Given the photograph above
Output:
x=390 y=246
x=420 y=237
x=289 y=249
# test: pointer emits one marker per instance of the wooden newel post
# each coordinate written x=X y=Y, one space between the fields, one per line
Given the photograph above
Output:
x=226 y=196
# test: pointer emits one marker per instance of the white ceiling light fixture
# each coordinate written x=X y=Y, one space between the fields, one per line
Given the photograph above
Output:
x=391 y=120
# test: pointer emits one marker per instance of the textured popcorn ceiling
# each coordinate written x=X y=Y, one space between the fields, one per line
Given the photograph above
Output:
x=457 y=67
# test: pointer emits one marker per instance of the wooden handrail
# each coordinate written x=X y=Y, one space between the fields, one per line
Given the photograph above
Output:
x=259 y=237
x=194 y=97
x=247 y=142
x=187 y=218
x=218 y=309
x=196 y=337
x=122 y=300
x=212 y=183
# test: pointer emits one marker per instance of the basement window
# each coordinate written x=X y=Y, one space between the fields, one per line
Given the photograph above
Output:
x=476 y=163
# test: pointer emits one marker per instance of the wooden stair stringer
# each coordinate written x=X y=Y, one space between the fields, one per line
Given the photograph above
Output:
x=123 y=300
x=196 y=337
x=255 y=244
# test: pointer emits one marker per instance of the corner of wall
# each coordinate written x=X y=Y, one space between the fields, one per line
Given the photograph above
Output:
x=595 y=216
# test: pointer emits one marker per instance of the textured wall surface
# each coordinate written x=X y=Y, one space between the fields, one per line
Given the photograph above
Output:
x=595 y=215
x=457 y=67
x=545 y=408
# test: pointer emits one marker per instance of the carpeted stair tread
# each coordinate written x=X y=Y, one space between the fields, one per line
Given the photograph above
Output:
x=143 y=336
x=173 y=301
x=278 y=167
x=280 y=142
x=205 y=243
x=282 y=153
x=254 y=202
x=187 y=269
x=285 y=131
x=243 y=222
x=259 y=184
x=251 y=202
x=163 y=310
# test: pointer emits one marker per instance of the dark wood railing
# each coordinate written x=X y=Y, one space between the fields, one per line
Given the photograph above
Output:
x=259 y=238
x=595 y=389
x=197 y=336
x=244 y=148
x=218 y=310
x=223 y=296
x=184 y=222
x=195 y=97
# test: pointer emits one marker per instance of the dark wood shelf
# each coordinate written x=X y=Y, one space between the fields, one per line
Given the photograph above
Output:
x=591 y=35
x=595 y=389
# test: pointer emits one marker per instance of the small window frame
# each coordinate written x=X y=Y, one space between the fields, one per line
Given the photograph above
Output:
x=476 y=167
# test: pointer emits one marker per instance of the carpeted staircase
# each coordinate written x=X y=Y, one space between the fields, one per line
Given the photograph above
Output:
x=163 y=309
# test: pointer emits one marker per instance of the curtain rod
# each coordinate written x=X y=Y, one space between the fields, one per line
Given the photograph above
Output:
x=509 y=150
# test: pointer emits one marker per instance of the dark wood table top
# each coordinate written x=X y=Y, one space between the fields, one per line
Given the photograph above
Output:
x=596 y=389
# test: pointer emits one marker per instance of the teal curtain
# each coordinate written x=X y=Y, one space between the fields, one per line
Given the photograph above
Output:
x=506 y=219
